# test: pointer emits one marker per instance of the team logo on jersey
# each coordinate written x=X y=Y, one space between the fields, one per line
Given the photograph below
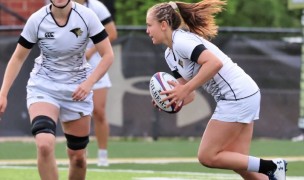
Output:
x=49 y=35
x=181 y=63
x=77 y=32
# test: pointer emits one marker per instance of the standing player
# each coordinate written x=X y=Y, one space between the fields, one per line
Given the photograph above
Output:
x=60 y=84
x=100 y=89
x=184 y=28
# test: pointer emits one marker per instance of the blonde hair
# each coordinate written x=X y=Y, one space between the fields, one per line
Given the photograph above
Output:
x=196 y=17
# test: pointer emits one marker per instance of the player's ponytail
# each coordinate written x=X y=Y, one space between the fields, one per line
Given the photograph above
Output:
x=195 y=17
x=199 y=17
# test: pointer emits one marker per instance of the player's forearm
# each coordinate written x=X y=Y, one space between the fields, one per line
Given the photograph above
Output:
x=102 y=67
x=207 y=71
x=10 y=75
x=189 y=98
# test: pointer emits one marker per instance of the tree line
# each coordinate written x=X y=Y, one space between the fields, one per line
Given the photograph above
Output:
x=237 y=13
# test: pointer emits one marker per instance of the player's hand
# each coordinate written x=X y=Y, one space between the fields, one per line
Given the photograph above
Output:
x=3 y=104
x=82 y=91
x=175 y=95
x=155 y=105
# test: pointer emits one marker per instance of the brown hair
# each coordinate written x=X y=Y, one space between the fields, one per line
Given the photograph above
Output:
x=198 y=17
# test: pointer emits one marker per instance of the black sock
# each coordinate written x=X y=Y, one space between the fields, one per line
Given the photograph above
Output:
x=267 y=167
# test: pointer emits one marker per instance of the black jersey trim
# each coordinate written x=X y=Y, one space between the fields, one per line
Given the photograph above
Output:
x=176 y=74
x=197 y=52
x=99 y=37
x=25 y=43
x=107 y=21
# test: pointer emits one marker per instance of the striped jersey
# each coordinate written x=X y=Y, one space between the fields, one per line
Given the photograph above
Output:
x=230 y=83
x=62 y=57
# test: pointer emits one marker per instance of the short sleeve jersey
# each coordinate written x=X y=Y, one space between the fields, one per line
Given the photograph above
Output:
x=101 y=11
x=62 y=47
x=230 y=83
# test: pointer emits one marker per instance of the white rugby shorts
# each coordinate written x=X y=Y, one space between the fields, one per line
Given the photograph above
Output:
x=42 y=90
x=244 y=110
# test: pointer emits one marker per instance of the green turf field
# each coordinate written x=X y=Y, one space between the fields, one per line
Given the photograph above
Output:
x=139 y=159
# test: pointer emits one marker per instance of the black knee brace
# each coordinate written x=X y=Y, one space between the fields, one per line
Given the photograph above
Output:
x=43 y=124
x=76 y=143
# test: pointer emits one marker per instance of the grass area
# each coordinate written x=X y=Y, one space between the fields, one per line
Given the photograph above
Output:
x=140 y=148
x=94 y=174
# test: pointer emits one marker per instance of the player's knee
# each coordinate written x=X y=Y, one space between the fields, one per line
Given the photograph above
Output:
x=43 y=124
x=45 y=148
x=75 y=142
x=99 y=114
x=77 y=158
x=206 y=159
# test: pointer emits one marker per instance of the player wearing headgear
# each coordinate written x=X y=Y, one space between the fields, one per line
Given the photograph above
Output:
x=60 y=85
x=100 y=89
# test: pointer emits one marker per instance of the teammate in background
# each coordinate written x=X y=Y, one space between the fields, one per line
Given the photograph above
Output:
x=110 y=4
x=300 y=137
x=60 y=85
x=100 y=89
x=185 y=29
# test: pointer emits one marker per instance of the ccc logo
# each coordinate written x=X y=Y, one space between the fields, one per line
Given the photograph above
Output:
x=49 y=34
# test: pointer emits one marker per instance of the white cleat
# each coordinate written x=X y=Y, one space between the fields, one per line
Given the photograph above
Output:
x=298 y=138
x=280 y=172
x=102 y=162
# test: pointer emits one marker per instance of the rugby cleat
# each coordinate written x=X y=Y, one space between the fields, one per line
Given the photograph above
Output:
x=280 y=171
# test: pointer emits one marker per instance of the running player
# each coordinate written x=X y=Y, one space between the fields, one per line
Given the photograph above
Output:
x=100 y=89
x=185 y=29
x=61 y=82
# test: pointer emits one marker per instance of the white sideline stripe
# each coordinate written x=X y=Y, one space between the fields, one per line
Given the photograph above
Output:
x=111 y=161
x=214 y=176
x=129 y=160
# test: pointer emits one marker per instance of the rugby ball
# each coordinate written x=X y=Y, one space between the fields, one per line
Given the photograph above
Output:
x=159 y=83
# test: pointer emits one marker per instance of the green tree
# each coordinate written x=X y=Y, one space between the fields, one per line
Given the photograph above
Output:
x=241 y=13
x=259 y=13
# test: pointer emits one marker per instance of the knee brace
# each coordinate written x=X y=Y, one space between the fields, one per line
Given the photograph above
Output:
x=43 y=124
x=76 y=143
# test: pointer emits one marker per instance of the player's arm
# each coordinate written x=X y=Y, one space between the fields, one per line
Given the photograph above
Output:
x=191 y=96
x=105 y=50
x=112 y=32
x=210 y=67
x=12 y=70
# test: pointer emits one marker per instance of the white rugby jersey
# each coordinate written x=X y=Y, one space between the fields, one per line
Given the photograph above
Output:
x=62 y=47
x=230 y=83
x=105 y=17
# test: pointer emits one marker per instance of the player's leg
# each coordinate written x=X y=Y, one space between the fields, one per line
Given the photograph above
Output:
x=242 y=146
x=213 y=152
x=217 y=137
x=77 y=136
x=44 y=118
x=101 y=126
